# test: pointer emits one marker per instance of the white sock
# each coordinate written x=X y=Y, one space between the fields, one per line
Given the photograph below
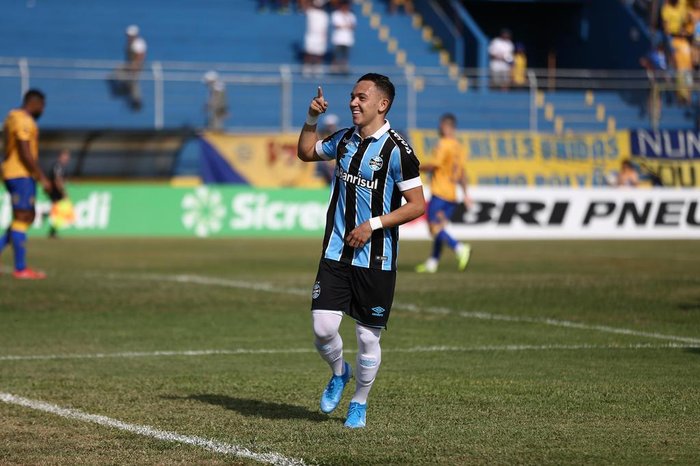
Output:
x=460 y=247
x=431 y=264
x=369 y=356
x=327 y=339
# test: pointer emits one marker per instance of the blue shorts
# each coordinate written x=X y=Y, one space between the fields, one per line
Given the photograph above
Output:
x=438 y=204
x=22 y=193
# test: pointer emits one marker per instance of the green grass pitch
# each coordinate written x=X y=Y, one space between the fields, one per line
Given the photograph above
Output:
x=540 y=353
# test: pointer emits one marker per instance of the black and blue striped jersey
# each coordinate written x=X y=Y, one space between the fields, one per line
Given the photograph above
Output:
x=370 y=175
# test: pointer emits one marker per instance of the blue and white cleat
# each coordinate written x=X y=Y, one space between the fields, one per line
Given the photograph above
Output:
x=334 y=390
x=357 y=416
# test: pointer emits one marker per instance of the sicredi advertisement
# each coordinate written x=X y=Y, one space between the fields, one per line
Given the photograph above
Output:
x=496 y=213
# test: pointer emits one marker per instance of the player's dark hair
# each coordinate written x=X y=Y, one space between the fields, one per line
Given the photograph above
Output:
x=449 y=117
x=384 y=84
x=32 y=94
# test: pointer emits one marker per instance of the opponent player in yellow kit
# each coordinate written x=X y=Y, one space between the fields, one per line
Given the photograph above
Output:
x=448 y=169
x=21 y=171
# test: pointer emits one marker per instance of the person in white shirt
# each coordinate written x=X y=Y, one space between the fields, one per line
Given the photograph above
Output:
x=124 y=81
x=135 y=57
x=343 y=37
x=216 y=107
x=316 y=38
x=501 y=53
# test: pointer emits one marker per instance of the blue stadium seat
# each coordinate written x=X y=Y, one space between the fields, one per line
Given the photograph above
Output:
x=219 y=32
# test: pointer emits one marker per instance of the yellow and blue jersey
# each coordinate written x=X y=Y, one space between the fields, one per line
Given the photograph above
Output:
x=370 y=176
x=19 y=127
x=449 y=159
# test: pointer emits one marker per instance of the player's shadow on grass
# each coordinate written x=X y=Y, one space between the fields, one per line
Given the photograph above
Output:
x=257 y=408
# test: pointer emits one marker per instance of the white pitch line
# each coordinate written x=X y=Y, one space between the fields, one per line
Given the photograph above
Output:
x=150 y=354
x=271 y=288
x=415 y=349
x=148 y=431
x=547 y=321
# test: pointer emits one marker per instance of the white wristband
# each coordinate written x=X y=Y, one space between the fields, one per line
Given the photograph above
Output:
x=375 y=223
x=311 y=120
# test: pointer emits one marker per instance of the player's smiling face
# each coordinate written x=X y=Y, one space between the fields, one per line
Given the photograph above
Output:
x=367 y=103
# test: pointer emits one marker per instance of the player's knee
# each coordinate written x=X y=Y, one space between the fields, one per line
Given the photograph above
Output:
x=324 y=334
x=368 y=338
x=22 y=219
x=324 y=331
x=24 y=216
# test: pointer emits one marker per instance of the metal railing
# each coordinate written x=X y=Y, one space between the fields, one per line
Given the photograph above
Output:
x=413 y=80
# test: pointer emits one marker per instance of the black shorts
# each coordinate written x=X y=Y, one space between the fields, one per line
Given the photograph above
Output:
x=364 y=294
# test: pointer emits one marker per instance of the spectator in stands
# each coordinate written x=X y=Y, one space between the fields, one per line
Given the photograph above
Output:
x=315 y=38
x=501 y=54
x=673 y=17
x=124 y=82
x=343 y=37
x=407 y=6
x=683 y=64
x=217 y=106
x=282 y=6
x=656 y=66
x=328 y=126
x=694 y=32
x=519 y=71
x=628 y=176
x=135 y=58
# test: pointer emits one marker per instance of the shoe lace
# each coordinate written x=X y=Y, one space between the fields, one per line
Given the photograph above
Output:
x=354 y=410
x=332 y=384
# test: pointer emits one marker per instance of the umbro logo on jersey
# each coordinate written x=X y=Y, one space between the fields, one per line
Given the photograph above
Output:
x=378 y=311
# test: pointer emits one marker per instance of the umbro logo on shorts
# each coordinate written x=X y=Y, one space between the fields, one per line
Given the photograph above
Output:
x=378 y=311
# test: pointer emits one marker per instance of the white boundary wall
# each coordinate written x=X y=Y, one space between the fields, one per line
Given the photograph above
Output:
x=565 y=213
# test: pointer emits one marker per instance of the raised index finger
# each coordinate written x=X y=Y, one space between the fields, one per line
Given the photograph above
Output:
x=320 y=93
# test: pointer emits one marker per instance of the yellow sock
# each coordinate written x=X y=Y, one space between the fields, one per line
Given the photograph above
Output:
x=18 y=225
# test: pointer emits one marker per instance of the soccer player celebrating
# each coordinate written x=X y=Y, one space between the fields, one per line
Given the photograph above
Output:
x=448 y=172
x=375 y=169
x=20 y=169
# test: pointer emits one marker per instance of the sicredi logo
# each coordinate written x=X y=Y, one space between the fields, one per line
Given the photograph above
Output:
x=256 y=211
x=203 y=211
x=91 y=213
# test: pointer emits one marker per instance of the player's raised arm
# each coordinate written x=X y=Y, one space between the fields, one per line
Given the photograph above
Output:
x=306 y=147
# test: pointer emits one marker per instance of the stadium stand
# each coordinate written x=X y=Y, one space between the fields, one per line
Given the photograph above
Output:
x=72 y=56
